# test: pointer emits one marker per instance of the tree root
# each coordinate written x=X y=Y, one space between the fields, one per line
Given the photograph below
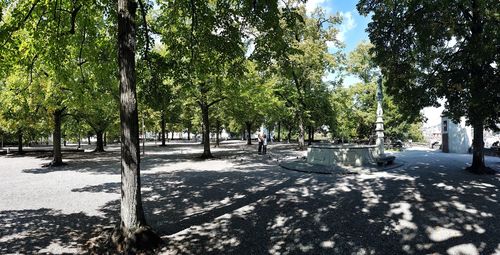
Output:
x=481 y=170
x=206 y=156
x=54 y=164
x=115 y=241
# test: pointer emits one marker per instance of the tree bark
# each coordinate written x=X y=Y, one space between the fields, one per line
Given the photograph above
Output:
x=249 y=131
x=88 y=140
x=189 y=132
x=478 y=165
x=206 y=131
x=133 y=234
x=301 y=142
x=79 y=140
x=100 y=141
x=105 y=139
x=477 y=91
x=56 y=144
x=163 y=123
x=20 y=142
x=172 y=135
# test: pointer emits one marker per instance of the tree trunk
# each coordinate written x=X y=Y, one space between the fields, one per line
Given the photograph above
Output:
x=477 y=92
x=279 y=131
x=172 y=135
x=56 y=144
x=105 y=139
x=88 y=139
x=478 y=166
x=206 y=131
x=189 y=132
x=79 y=140
x=20 y=141
x=100 y=141
x=312 y=133
x=163 y=123
x=249 y=131
x=301 y=142
x=133 y=234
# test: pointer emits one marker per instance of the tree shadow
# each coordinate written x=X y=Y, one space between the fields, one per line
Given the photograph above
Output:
x=254 y=207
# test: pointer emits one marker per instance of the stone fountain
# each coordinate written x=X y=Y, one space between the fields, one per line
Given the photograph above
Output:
x=355 y=155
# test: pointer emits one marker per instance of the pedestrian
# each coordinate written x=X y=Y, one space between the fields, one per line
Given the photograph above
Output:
x=261 y=142
x=264 y=144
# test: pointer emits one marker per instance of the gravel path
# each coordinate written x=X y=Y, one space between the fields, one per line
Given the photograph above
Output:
x=242 y=203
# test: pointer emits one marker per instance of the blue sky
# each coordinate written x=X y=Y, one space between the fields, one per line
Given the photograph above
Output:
x=352 y=29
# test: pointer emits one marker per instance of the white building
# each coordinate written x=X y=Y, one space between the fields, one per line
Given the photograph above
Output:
x=453 y=137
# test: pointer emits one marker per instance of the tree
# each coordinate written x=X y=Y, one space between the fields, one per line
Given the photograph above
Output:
x=250 y=99
x=205 y=40
x=303 y=59
x=452 y=53
x=133 y=233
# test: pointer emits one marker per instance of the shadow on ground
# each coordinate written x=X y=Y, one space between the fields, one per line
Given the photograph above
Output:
x=429 y=206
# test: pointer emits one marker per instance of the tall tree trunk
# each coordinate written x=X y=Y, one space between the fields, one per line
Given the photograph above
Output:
x=312 y=133
x=163 y=123
x=189 y=131
x=476 y=60
x=100 y=141
x=56 y=143
x=172 y=135
x=88 y=140
x=279 y=131
x=20 y=141
x=206 y=131
x=301 y=142
x=79 y=140
x=133 y=233
x=105 y=139
x=249 y=131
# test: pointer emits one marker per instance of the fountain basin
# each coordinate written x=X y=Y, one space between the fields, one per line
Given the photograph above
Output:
x=351 y=155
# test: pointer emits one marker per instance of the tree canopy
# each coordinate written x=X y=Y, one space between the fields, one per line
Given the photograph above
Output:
x=452 y=53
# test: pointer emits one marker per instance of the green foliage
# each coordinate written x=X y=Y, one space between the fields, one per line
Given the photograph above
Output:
x=427 y=54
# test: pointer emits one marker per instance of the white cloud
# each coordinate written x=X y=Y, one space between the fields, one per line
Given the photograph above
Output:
x=311 y=5
x=348 y=23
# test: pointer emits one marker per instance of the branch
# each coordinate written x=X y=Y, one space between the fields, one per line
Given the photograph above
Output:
x=20 y=24
x=81 y=62
x=285 y=98
x=74 y=13
x=216 y=101
x=146 y=32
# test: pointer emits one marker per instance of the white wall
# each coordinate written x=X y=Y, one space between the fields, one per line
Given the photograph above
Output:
x=459 y=137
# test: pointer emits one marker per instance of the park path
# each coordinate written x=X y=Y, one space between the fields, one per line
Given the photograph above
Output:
x=242 y=203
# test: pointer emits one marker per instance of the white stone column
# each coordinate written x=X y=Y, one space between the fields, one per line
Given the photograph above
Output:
x=379 y=129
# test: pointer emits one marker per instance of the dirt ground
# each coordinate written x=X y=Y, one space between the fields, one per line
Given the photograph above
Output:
x=244 y=203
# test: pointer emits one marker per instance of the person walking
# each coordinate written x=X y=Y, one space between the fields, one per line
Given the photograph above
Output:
x=260 y=139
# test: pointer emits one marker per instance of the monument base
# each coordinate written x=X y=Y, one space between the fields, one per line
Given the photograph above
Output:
x=349 y=155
